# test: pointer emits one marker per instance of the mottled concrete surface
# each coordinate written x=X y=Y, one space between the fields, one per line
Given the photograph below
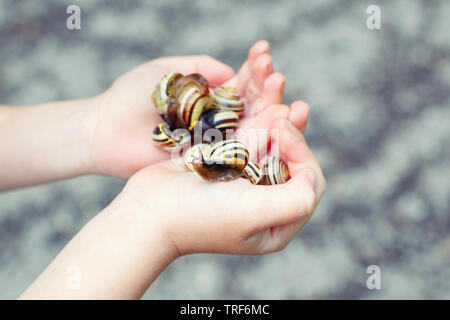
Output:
x=379 y=125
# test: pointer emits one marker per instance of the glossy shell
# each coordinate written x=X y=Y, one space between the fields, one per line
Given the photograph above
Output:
x=253 y=172
x=228 y=98
x=160 y=95
x=223 y=161
x=189 y=100
x=229 y=160
x=224 y=120
x=275 y=171
x=230 y=153
x=195 y=155
x=169 y=140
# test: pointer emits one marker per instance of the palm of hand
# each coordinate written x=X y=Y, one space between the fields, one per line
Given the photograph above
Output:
x=126 y=116
x=229 y=217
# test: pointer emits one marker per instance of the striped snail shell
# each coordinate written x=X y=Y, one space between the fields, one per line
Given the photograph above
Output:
x=169 y=140
x=275 y=171
x=220 y=119
x=189 y=99
x=195 y=155
x=224 y=161
x=253 y=172
x=228 y=98
x=160 y=95
x=231 y=153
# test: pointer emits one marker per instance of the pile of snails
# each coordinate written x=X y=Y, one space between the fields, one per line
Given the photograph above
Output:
x=186 y=102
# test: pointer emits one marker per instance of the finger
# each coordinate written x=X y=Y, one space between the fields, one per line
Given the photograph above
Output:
x=260 y=48
x=293 y=201
x=261 y=69
x=254 y=132
x=298 y=155
x=298 y=114
x=277 y=205
x=212 y=69
x=272 y=93
x=280 y=236
x=243 y=77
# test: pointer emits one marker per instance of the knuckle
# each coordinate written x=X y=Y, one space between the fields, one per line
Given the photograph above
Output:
x=309 y=202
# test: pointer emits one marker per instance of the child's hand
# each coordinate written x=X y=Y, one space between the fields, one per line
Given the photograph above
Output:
x=122 y=142
x=164 y=212
x=227 y=217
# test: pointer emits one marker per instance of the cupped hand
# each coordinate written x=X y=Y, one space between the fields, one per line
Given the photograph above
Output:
x=229 y=217
x=122 y=142
x=125 y=117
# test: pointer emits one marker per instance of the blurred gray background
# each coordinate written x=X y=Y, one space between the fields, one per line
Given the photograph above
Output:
x=379 y=125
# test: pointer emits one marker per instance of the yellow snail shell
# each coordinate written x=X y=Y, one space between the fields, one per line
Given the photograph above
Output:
x=275 y=171
x=194 y=155
x=224 y=161
x=222 y=119
x=160 y=95
x=189 y=99
x=228 y=98
x=253 y=172
x=229 y=159
x=169 y=140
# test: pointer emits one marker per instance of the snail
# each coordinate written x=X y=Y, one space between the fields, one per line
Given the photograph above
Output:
x=227 y=98
x=169 y=140
x=275 y=171
x=185 y=102
x=229 y=159
x=160 y=95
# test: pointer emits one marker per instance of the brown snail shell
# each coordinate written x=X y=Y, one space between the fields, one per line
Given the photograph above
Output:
x=253 y=172
x=186 y=102
x=189 y=99
x=227 y=98
x=275 y=171
x=169 y=140
x=229 y=159
x=224 y=161
x=194 y=155
x=160 y=95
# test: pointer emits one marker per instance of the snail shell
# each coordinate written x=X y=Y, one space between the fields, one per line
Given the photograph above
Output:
x=195 y=155
x=194 y=79
x=225 y=120
x=224 y=161
x=231 y=153
x=169 y=140
x=189 y=99
x=220 y=119
x=253 y=172
x=160 y=95
x=228 y=98
x=229 y=159
x=275 y=171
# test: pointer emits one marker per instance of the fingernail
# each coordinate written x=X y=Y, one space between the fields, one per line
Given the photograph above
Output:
x=312 y=177
x=295 y=133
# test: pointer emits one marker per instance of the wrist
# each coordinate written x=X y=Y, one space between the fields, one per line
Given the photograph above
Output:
x=86 y=117
x=134 y=220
